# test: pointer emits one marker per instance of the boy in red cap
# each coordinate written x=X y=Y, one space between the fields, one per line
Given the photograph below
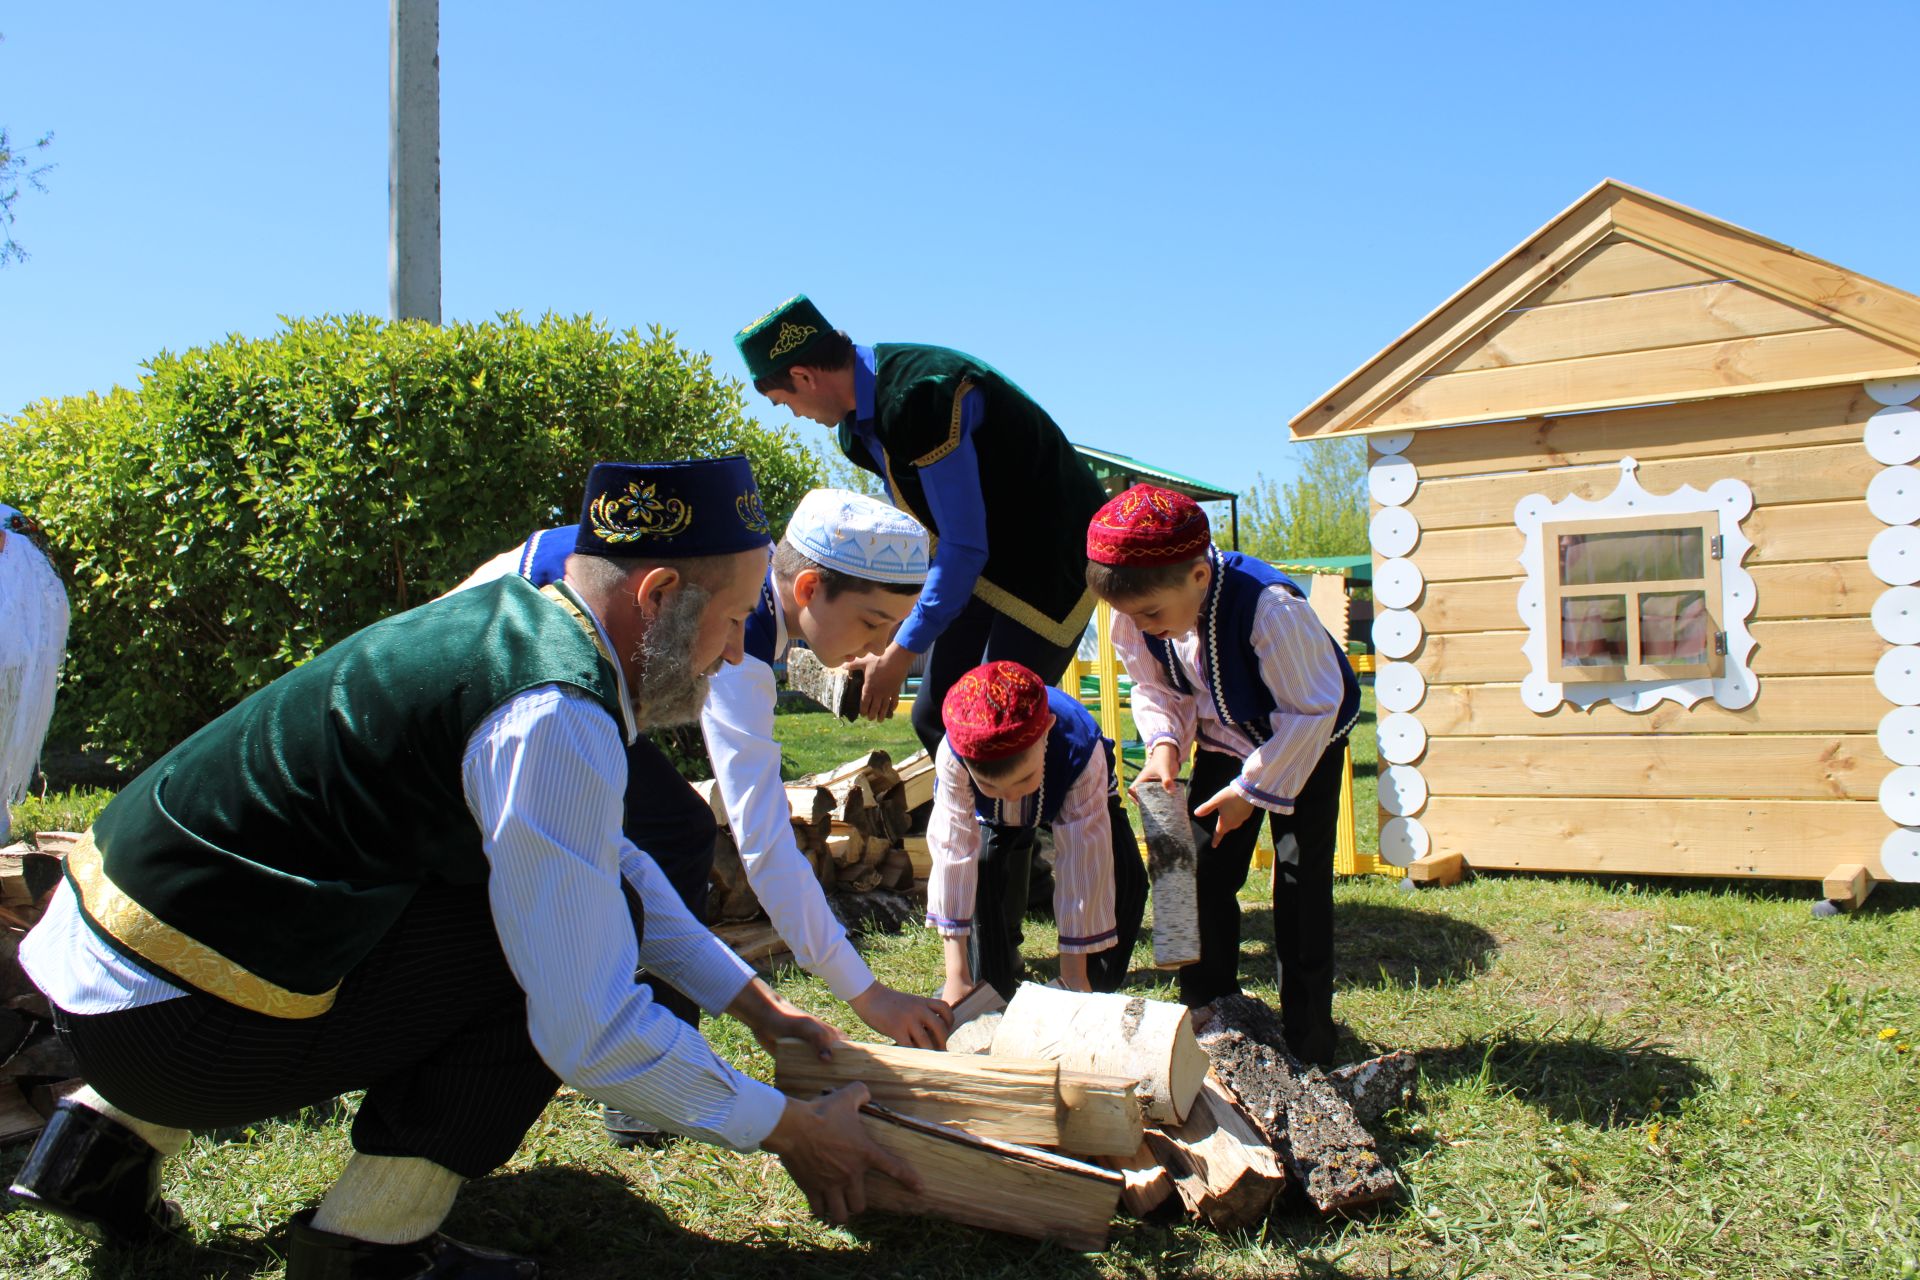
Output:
x=1225 y=652
x=1019 y=754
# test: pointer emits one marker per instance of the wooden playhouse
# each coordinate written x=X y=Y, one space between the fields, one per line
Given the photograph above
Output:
x=1644 y=559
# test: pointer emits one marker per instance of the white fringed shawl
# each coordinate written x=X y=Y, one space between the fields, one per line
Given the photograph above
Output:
x=33 y=639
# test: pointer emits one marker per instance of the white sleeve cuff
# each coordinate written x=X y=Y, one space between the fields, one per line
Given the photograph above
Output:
x=755 y=1113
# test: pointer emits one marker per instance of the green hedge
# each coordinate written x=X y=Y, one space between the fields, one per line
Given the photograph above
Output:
x=255 y=500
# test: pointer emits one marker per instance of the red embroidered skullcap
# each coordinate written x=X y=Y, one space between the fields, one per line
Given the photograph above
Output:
x=995 y=711
x=1147 y=525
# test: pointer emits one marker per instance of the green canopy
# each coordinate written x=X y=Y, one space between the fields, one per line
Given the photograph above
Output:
x=1116 y=471
x=1359 y=568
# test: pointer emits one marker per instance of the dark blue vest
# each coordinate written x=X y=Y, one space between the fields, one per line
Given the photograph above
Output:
x=543 y=560
x=1070 y=746
x=1241 y=692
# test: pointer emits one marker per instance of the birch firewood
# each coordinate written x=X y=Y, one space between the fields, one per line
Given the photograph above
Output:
x=1225 y=1172
x=1004 y=1098
x=1171 y=854
x=1114 y=1035
x=835 y=688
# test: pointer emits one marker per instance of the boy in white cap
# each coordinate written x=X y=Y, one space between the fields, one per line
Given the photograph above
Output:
x=847 y=572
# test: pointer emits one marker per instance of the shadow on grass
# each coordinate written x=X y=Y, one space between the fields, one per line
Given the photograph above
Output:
x=1590 y=1076
x=585 y=1225
x=1376 y=945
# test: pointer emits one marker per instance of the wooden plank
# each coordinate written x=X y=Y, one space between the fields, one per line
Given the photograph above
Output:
x=1787 y=704
x=1801 y=647
x=1616 y=267
x=1794 y=839
x=1801 y=532
x=1835 y=589
x=1821 y=415
x=1821 y=473
x=1012 y=1099
x=1637 y=377
x=981 y=1182
x=1859 y=301
x=1436 y=869
x=1847 y=886
x=1750 y=766
x=1645 y=322
x=1558 y=244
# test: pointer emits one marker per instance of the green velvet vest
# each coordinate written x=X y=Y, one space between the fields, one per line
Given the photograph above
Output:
x=262 y=858
x=1039 y=493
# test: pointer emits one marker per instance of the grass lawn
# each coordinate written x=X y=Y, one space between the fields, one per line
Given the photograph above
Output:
x=1620 y=1078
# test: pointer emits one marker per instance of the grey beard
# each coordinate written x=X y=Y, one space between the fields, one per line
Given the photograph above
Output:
x=669 y=691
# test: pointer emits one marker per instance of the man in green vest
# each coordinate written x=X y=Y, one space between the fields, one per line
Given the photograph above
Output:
x=973 y=458
x=400 y=868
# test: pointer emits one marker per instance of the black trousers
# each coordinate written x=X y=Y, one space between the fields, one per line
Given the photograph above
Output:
x=1302 y=894
x=1000 y=906
x=666 y=818
x=980 y=634
x=431 y=1024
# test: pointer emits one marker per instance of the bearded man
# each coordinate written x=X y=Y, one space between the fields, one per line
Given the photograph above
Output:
x=400 y=868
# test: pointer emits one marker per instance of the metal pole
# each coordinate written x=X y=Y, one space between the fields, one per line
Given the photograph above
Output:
x=413 y=160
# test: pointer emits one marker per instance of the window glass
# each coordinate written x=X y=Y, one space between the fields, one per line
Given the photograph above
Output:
x=1593 y=631
x=1649 y=555
x=1674 y=627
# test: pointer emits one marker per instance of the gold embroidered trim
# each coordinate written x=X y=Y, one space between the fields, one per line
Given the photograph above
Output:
x=1063 y=633
x=752 y=514
x=191 y=961
x=563 y=596
x=953 y=428
x=791 y=338
x=638 y=513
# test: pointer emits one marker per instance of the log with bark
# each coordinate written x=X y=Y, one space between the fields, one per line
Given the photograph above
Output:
x=981 y=1182
x=1171 y=859
x=1378 y=1085
x=1329 y=1152
x=834 y=688
x=1150 y=1041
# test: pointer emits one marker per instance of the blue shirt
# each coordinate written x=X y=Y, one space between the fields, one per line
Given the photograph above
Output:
x=959 y=511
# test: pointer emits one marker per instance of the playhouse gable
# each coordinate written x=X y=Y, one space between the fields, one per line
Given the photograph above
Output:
x=1627 y=299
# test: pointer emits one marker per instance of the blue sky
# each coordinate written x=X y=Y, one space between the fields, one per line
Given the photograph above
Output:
x=1175 y=225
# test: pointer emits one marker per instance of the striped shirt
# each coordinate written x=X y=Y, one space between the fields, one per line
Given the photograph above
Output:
x=1292 y=646
x=1082 y=855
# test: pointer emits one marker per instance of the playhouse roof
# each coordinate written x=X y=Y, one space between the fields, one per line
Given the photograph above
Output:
x=1627 y=299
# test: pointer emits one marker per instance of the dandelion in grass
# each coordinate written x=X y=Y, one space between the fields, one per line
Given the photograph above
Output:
x=1888 y=1033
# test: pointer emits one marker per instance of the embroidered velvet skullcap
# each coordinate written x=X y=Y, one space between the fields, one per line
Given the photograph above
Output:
x=781 y=337
x=995 y=711
x=860 y=536
x=1147 y=525
x=667 y=510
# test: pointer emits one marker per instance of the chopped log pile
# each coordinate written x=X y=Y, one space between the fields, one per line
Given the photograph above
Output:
x=856 y=824
x=1219 y=1125
x=35 y=1068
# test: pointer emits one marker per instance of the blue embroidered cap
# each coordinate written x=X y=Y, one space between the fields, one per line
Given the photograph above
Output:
x=859 y=536
x=665 y=510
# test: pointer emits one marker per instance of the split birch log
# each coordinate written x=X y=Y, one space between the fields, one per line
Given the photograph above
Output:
x=981 y=1182
x=731 y=896
x=1104 y=1116
x=1149 y=1182
x=1109 y=1034
x=976 y=1036
x=811 y=807
x=1225 y=1172
x=916 y=780
x=1171 y=855
x=1005 y=1098
x=835 y=688
x=752 y=942
x=982 y=999
x=922 y=854
x=1303 y=1116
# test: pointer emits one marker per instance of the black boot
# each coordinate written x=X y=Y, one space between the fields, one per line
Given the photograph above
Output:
x=1306 y=1011
x=322 y=1255
x=99 y=1175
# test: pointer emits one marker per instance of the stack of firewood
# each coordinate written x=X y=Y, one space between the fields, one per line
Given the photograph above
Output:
x=857 y=824
x=1048 y=1116
x=35 y=1068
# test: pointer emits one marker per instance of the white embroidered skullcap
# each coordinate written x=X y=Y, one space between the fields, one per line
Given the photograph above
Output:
x=860 y=536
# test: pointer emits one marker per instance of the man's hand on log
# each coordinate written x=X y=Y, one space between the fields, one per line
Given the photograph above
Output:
x=770 y=1019
x=1163 y=767
x=1229 y=808
x=881 y=678
x=827 y=1153
x=911 y=1020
